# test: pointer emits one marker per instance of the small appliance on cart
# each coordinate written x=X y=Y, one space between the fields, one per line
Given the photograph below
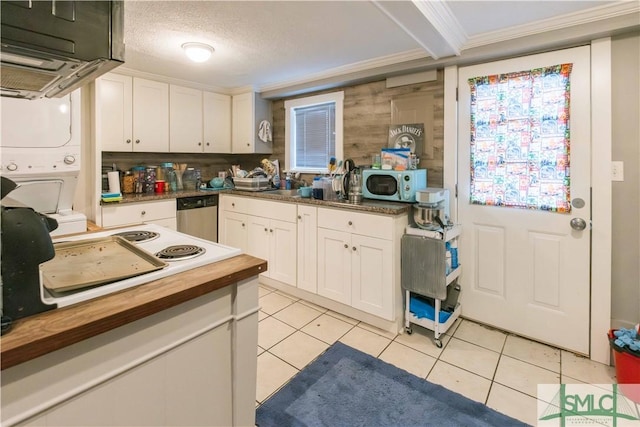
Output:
x=429 y=265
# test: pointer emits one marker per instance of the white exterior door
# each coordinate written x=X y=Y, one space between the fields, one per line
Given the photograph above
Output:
x=527 y=270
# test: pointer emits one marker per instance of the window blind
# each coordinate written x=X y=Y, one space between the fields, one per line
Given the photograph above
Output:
x=315 y=135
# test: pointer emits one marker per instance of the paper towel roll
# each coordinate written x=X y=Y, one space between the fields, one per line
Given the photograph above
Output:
x=114 y=181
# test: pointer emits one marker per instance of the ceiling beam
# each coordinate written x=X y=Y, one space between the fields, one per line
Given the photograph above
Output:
x=430 y=23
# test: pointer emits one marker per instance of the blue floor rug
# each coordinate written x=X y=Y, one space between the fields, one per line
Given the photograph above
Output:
x=347 y=388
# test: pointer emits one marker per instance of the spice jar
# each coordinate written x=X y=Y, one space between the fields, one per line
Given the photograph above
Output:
x=128 y=182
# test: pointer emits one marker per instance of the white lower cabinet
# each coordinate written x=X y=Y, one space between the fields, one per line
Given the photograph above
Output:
x=160 y=212
x=307 y=259
x=233 y=230
x=356 y=270
x=275 y=241
x=264 y=229
x=327 y=255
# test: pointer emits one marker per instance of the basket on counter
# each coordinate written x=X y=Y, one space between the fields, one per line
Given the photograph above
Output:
x=259 y=183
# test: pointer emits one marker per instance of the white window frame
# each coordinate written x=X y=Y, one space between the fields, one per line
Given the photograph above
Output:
x=289 y=144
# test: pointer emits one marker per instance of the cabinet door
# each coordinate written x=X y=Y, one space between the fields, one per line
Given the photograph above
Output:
x=334 y=265
x=216 y=122
x=307 y=248
x=185 y=120
x=371 y=275
x=258 y=239
x=233 y=230
x=114 y=106
x=282 y=251
x=242 y=119
x=150 y=116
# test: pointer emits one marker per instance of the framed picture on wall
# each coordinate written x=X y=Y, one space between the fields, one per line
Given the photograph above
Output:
x=409 y=136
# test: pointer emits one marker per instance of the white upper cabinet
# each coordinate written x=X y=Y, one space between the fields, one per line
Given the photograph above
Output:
x=185 y=120
x=216 y=110
x=150 y=115
x=114 y=106
x=132 y=114
x=199 y=121
x=248 y=110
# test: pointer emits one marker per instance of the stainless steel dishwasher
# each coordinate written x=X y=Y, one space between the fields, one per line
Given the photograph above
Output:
x=198 y=216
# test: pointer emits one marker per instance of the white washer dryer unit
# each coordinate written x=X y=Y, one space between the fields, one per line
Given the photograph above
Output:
x=40 y=145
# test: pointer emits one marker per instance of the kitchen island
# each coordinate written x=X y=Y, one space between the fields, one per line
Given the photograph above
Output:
x=180 y=350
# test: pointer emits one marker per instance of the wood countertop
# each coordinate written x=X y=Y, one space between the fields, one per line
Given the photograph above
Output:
x=43 y=333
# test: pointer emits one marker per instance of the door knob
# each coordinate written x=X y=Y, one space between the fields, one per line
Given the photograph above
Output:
x=578 y=224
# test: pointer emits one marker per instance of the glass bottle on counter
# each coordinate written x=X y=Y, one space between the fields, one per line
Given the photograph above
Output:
x=150 y=180
x=189 y=179
x=139 y=174
x=128 y=182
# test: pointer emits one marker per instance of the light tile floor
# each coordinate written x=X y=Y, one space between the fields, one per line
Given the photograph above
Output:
x=487 y=365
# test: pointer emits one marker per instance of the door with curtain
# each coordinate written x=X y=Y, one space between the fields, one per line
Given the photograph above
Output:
x=524 y=195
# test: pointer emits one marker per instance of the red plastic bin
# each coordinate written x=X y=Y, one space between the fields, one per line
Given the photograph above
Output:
x=627 y=369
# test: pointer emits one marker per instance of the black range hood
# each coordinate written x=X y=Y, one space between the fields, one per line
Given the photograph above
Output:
x=50 y=48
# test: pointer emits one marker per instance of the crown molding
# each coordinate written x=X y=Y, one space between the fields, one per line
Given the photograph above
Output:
x=170 y=80
x=445 y=23
x=590 y=16
x=354 y=68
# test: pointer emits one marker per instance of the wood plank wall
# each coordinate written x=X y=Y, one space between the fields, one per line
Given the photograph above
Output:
x=367 y=115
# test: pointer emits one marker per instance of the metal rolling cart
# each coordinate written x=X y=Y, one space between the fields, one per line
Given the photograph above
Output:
x=425 y=276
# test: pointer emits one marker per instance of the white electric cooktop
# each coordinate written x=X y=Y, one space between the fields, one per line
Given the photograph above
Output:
x=213 y=252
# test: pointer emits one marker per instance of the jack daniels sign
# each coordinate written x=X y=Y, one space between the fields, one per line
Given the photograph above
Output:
x=407 y=136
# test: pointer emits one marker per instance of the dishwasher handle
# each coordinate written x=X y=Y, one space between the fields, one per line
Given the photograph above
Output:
x=196 y=202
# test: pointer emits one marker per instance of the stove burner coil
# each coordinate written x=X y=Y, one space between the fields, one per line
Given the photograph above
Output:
x=180 y=252
x=138 y=236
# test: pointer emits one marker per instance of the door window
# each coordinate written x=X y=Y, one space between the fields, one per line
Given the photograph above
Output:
x=520 y=139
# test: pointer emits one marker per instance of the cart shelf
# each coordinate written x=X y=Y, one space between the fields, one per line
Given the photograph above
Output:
x=424 y=273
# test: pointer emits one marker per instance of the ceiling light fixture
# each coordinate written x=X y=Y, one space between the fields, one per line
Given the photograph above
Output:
x=197 y=52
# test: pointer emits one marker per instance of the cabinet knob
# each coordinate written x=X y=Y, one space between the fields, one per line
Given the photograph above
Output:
x=354 y=248
x=128 y=141
x=208 y=144
x=243 y=224
x=137 y=141
x=350 y=223
x=270 y=230
x=143 y=212
x=199 y=144
x=233 y=205
x=248 y=145
x=299 y=216
x=265 y=229
x=346 y=246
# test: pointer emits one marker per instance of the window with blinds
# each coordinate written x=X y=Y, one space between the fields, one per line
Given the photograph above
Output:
x=313 y=132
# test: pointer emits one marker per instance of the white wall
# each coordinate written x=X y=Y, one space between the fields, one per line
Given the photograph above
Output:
x=625 y=254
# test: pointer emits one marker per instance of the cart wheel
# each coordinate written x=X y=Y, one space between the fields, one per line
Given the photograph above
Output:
x=438 y=343
x=409 y=331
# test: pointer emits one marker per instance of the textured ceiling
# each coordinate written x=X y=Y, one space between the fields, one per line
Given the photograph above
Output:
x=270 y=44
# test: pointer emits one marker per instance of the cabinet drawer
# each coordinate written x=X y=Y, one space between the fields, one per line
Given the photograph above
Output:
x=355 y=222
x=137 y=213
x=273 y=210
x=234 y=204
